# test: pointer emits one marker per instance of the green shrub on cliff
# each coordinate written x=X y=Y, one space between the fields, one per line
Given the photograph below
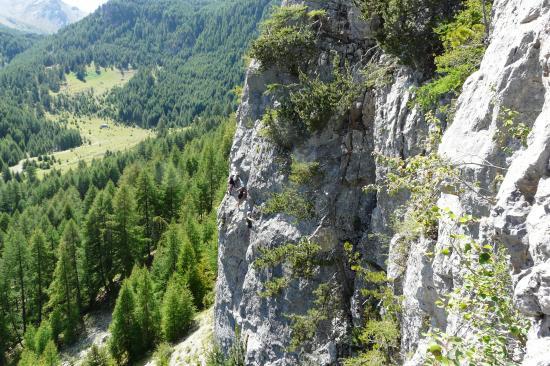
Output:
x=306 y=107
x=463 y=42
x=405 y=28
x=287 y=38
x=315 y=101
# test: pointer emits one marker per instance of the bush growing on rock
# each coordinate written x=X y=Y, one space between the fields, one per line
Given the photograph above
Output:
x=287 y=38
x=97 y=357
x=306 y=107
x=405 y=28
x=463 y=42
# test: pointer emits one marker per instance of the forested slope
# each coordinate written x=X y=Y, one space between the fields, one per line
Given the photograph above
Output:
x=181 y=42
x=69 y=241
x=188 y=53
x=12 y=43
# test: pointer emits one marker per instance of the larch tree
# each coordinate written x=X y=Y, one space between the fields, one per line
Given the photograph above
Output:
x=166 y=259
x=16 y=272
x=50 y=356
x=171 y=194
x=125 y=334
x=98 y=246
x=42 y=264
x=177 y=309
x=65 y=296
x=146 y=307
x=4 y=335
x=146 y=197
x=127 y=236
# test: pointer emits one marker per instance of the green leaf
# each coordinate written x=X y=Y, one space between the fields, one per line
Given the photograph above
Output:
x=484 y=258
x=435 y=349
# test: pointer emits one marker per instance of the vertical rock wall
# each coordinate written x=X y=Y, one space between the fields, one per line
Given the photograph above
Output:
x=514 y=75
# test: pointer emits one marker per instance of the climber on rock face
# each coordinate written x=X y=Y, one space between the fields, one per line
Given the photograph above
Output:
x=249 y=219
x=231 y=184
x=243 y=195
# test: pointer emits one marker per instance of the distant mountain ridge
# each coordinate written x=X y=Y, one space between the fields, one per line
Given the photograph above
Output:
x=38 y=16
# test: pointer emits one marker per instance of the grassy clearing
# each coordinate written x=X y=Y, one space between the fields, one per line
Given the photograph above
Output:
x=97 y=141
x=99 y=83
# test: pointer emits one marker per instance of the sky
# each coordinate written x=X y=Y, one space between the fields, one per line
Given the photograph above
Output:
x=86 y=5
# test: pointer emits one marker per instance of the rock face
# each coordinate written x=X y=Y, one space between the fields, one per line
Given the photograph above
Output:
x=513 y=76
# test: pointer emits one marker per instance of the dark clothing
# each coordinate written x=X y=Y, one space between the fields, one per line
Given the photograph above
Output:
x=231 y=185
x=242 y=194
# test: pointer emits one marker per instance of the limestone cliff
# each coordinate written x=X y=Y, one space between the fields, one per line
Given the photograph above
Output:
x=514 y=74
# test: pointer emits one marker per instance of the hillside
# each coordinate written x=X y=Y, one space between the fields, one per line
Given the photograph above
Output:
x=38 y=16
x=187 y=55
x=106 y=215
x=13 y=43
x=183 y=44
x=133 y=221
x=378 y=198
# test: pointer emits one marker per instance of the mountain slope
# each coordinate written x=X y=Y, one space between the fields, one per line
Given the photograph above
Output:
x=38 y=16
x=203 y=39
x=13 y=42
x=187 y=54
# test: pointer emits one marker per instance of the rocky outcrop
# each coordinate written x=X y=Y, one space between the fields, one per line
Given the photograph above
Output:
x=513 y=76
x=380 y=121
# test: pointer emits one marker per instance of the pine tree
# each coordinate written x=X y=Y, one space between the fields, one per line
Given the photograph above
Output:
x=96 y=357
x=193 y=234
x=65 y=298
x=201 y=197
x=50 y=357
x=147 y=310
x=72 y=242
x=208 y=165
x=16 y=272
x=41 y=269
x=42 y=336
x=125 y=333
x=89 y=198
x=177 y=309
x=196 y=280
x=98 y=247
x=6 y=173
x=29 y=339
x=28 y=358
x=171 y=194
x=56 y=322
x=51 y=235
x=4 y=336
x=127 y=238
x=166 y=259
x=146 y=202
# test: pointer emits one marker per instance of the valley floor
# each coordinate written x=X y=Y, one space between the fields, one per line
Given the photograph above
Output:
x=98 y=141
